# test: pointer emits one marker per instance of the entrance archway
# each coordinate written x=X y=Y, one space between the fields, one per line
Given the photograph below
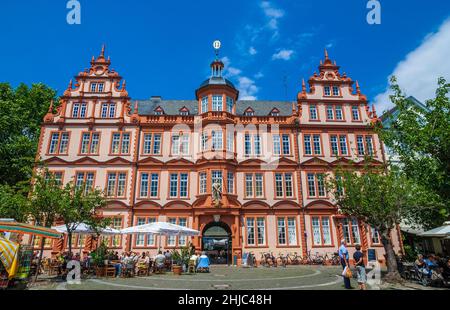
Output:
x=216 y=242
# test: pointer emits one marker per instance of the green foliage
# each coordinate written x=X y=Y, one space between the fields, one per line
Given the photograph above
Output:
x=422 y=140
x=100 y=254
x=182 y=257
x=21 y=113
x=13 y=203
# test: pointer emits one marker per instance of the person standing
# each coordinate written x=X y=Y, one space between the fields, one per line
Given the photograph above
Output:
x=358 y=257
x=343 y=255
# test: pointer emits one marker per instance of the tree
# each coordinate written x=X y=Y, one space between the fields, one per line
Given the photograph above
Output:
x=44 y=203
x=383 y=198
x=14 y=203
x=21 y=113
x=421 y=138
x=80 y=204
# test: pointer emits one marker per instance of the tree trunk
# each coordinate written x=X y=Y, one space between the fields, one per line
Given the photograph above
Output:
x=39 y=259
x=69 y=241
x=392 y=275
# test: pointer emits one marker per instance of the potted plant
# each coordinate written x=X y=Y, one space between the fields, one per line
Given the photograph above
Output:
x=177 y=263
x=99 y=258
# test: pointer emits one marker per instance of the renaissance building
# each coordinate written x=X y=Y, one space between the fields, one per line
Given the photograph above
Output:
x=249 y=175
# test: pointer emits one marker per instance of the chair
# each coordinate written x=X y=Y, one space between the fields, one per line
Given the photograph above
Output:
x=110 y=271
x=142 y=269
x=128 y=270
x=192 y=266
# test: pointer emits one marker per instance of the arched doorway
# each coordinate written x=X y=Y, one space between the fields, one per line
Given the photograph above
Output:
x=216 y=242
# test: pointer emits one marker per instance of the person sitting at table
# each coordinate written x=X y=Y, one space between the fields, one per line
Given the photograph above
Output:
x=160 y=260
x=193 y=260
x=203 y=263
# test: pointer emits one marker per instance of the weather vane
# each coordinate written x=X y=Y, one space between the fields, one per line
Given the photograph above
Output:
x=217 y=44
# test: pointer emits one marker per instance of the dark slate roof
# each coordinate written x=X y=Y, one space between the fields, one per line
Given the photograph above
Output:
x=386 y=117
x=173 y=107
x=217 y=81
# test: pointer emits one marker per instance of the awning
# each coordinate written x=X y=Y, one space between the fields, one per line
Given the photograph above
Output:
x=8 y=256
x=440 y=232
x=28 y=229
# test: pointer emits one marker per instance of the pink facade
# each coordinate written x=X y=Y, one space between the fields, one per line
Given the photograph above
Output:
x=159 y=160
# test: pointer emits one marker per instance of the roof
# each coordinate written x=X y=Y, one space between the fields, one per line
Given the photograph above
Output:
x=386 y=116
x=173 y=107
x=217 y=81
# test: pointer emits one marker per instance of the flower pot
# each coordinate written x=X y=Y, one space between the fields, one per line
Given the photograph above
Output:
x=177 y=270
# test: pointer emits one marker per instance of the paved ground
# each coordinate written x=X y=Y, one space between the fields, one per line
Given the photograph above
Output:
x=221 y=277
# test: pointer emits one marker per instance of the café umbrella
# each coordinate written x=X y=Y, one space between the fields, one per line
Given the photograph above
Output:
x=27 y=229
x=161 y=229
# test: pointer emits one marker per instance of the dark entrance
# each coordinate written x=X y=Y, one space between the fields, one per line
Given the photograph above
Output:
x=216 y=242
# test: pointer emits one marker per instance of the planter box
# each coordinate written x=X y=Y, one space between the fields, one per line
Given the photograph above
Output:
x=177 y=270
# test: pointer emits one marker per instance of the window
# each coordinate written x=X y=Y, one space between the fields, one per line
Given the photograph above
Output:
x=116 y=183
x=275 y=113
x=152 y=144
x=316 y=185
x=178 y=185
x=249 y=112
x=159 y=111
x=256 y=237
x=204 y=142
x=180 y=144
x=287 y=231
x=120 y=144
x=330 y=112
x=286 y=145
x=97 y=87
x=313 y=113
x=79 y=110
x=204 y=104
x=202 y=183
x=369 y=145
x=140 y=238
x=327 y=91
x=254 y=185
x=343 y=145
x=338 y=111
x=276 y=145
x=116 y=240
x=230 y=104
x=108 y=110
x=57 y=176
x=85 y=180
x=90 y=143
x=360 y=145
x=375 y=235
x=217 y=103
x=340 y=187
x=184 y=112
x=336 y=91
x=217 y=140
x=355 y=113
x=313 y=144
x=321 y=230
x=216 y=177
x=230 y=141
x=247 y=145
x=59 y=143
x=177 y=240
x=149 y=185
x=334 y=145
x=257 y=144
x=230 y=183
x=351 y=231
x=284 y=185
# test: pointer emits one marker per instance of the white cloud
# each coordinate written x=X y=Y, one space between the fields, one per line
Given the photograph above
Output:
x=259 y=75
x=283 y=54
x=418 y=73
x=252 y=51
x=247 y=88
x=273 y=14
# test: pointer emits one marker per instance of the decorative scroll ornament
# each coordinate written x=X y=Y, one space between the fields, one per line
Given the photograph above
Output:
x=217 y=194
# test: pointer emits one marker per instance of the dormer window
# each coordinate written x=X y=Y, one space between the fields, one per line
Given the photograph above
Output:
x=217 y=103
x=327 y=91
x=275 y=112
x=159 y=111
x=184 y=111
x=249 y=112
x=230 y=104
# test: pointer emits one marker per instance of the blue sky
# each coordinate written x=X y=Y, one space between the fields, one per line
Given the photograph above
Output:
x=165 y=47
